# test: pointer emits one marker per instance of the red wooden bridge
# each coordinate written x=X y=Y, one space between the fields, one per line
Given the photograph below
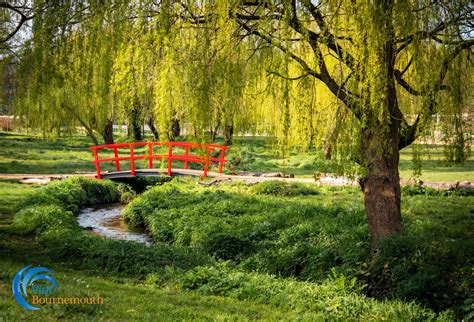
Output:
x=138 y=158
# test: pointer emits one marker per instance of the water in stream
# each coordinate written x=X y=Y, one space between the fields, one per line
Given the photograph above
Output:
x=107 y=221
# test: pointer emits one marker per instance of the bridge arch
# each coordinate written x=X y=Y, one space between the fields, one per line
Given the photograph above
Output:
x=191 y=152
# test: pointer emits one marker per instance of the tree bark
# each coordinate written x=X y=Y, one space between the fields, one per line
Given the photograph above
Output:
x=175 y=127
x=89 y=130
x=214 y=131
x=134 y=123
x=228 y=134
x=382 y=187
x=108 y=133
x=340 y=114
x=153 y=129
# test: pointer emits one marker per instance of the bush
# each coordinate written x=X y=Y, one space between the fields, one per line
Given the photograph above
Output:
x=260 y=233
x=75 y=193
x=56 y=228
x=413 y=190
x=228 y=245
x=282 y=188
x=127 y=194
x=39 y=219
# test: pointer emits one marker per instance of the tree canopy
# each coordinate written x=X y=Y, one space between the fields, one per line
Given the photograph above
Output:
x=359 y=79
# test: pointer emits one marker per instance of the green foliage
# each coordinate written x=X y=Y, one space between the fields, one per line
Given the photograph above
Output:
x=434 y=272
x=42 y=219
x=75 y=193
x=306 y=237
x=56 y=228
x=334 y=299
x=121 y=257
x=126 y=193
x=282 y=188
x=412 y=190
x=285 y=236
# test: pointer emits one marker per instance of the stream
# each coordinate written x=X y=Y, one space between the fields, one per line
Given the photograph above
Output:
x=107 y=221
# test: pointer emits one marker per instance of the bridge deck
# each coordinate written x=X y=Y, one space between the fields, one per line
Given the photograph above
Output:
x=158 y=172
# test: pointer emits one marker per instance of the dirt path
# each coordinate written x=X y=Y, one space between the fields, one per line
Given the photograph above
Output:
x=325 y=180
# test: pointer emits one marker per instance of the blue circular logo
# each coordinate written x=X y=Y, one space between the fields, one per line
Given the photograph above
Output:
x=25 y=278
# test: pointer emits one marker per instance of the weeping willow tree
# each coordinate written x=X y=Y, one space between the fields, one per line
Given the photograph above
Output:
x=359 y=79
x=386 y=52
x=66 y=70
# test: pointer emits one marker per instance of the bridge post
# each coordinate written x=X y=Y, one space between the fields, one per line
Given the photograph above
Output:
x=186 y=154
x=117 y=162
x=150 y=155
x=170 y=154
x=206 y=161
x=221 y=160
x=97 y=163
x=132 y=160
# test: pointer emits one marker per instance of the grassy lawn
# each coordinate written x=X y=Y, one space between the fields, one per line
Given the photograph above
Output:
x=262 y=155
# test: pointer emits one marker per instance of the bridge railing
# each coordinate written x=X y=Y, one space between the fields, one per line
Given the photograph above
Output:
x=205 y=157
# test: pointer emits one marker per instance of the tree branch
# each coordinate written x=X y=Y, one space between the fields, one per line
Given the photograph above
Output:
x=23 y=18
x=409 y=133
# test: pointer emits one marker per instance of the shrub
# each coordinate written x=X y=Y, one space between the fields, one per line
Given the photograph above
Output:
x=127 y=194
x=282 y=188
x=39 y=219
x=56 y=228
x=261 y=233
x=74 y=193
x=228 y=245
x=97 y=191
x=413 y=190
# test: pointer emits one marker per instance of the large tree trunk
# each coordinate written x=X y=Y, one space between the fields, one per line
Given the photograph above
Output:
x=108 y=133
x=382 y=187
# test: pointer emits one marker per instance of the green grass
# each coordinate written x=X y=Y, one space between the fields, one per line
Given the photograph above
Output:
x=11 y=194
x=125 y=298
x=289 y=229
x=263 y=155
x=138 y=281
x=434 y=167
x=23 y=153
